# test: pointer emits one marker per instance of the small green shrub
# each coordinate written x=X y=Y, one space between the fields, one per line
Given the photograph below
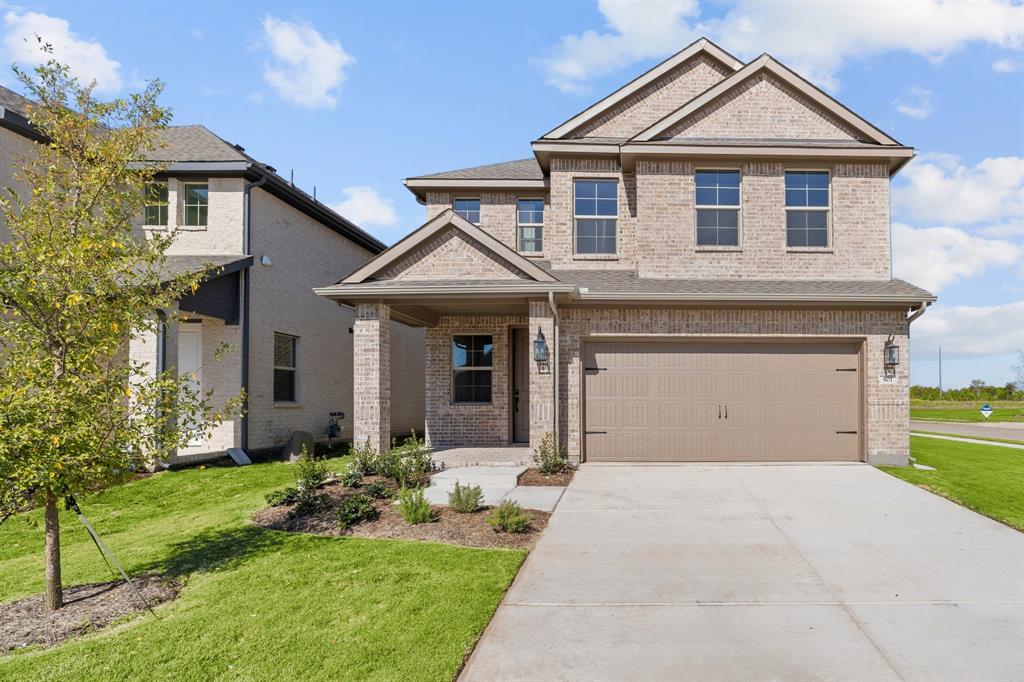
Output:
x=378 y=491
x=509 y=517
x=310 y=472
x=365 y=459
x=356 y=509
x=282 y=496
x=308 y=504
x=548 y=456
x=413 y=506
x=352 y=478
x=466 y=499
x=406 y=463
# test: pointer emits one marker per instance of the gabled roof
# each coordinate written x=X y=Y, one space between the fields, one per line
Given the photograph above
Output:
x=521 y=169
x=448 y=218
x=702 y=46
x=194 y=143
x=767 y=63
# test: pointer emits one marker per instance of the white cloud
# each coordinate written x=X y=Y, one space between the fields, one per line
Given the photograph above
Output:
x=937 y=188
x=915 y=103
x=1005 y=231
x=933 y=257
x=968 y=331
x=1006 y=65
x=86 y=58
x=815 y=38
x=306 y=69
x=363 y=206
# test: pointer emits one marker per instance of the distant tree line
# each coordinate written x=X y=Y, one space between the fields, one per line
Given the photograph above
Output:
x=978 y=390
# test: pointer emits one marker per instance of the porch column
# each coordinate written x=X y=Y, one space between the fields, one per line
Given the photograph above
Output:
x=542 y=375
x=372 y=375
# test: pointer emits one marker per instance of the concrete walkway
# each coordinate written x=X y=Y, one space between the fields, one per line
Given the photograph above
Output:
x=760 y=572
x=1007 y=430
x=976 y=441
x=497 y=483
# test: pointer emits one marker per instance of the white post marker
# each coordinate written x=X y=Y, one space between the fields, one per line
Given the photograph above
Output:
x=986 y=410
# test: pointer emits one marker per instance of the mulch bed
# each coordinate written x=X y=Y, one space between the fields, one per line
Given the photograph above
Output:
x=453 y=528
x=533 y=476
x=86 y=608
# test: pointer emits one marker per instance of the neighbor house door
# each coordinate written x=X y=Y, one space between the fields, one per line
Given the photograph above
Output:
x=520 y=385
x=190 y=362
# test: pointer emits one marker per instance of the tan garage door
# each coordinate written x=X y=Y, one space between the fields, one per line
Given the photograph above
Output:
x=721 y=401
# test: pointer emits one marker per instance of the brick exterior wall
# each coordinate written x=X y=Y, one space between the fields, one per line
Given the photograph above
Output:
x=222 y=233
x=449 y=424
x=658 y=99
x=763 y=107
x=372 y=409
x=14 y=151
x=452 y=255
x=542 y=408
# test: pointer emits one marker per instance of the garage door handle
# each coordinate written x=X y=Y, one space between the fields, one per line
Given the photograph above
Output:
x=594 y=369
x=852 y=432
x=598 y=433
x=846 y=369
x=719 y=411
x=726 y=411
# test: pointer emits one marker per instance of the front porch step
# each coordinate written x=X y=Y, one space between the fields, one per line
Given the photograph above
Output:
x=484 y=476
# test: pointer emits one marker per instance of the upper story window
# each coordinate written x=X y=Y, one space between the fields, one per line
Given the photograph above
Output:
x=471 y=368
x=285 y=368
x=807 y=207
x=196 y=203
x=468 y=209
x=718 y=207
x=530 y=221
x=596 y=210
x=156 y=203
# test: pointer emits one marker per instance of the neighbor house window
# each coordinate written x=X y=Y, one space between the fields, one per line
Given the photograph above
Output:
x=471 y=368
x=807 y=206
x=530 y=219
x=596 y=209
x=156 y=203
x=468 y=209
x=717 y=200
x=285 y=384
x=196 y=203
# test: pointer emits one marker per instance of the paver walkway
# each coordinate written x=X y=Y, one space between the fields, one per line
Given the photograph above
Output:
x=760 y=572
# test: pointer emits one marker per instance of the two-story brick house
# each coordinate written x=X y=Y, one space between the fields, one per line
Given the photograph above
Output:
x=271 y=244
x=697 y=267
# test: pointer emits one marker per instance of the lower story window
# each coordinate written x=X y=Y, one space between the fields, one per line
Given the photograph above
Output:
x=807 y=228
x=285 y=370
x=472 y=368
x=595 y=235
x=718 y=227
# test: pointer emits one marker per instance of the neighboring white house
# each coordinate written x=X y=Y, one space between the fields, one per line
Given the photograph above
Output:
x=289 y=349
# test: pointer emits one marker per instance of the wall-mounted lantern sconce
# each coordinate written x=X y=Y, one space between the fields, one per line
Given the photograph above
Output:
x=891 y=353
x=540 y=348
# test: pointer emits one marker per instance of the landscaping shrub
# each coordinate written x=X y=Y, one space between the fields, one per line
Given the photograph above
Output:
x=310 y=473
x=365 y=459
x=466 y=499
x=282 y=496
x=406 y=463
x=548 y=456
x=352 y=478
x=308 y=504
x=413 y=506
x=378 y=491
x=509 y=517
x=356 y=509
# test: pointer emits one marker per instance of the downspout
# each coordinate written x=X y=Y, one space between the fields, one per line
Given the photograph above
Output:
x=917 y=313
x=555 y=365
x=246 y=307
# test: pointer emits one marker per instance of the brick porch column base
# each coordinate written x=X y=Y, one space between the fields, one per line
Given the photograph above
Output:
x=542 y=378
x=372 y=375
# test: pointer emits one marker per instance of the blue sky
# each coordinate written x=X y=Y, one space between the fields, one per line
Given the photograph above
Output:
x=356 y=96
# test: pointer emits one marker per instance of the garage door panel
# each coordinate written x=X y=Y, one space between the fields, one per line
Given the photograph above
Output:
x=731 y=401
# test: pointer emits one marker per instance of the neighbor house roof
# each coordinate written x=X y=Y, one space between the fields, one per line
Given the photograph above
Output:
x=175 y=266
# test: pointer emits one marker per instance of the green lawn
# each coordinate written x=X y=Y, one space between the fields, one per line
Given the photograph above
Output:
x=258 y=605
x=969 y=411
x=986 y=478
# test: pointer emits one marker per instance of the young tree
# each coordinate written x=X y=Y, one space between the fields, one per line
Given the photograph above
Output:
x=77 y=283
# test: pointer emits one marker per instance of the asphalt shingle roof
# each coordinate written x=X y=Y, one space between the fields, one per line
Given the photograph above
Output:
x=194 y=143
x=523 y=169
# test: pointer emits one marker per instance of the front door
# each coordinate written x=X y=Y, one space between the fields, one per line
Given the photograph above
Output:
x=520 y=385
x=190 y=362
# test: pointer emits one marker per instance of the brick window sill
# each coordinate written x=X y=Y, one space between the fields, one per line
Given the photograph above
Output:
x=809 y=249
x=596 y=256
x=192 y=228
x=718 y=249
x=531 y=254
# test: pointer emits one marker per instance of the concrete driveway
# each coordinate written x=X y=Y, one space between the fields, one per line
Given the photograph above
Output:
x=760 y=572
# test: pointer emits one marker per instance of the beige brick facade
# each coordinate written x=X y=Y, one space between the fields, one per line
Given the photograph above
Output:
x=372 y=409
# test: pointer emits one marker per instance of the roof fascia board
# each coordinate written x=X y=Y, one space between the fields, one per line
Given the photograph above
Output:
x=766 y=63
x=700 y=46
x=795 y=299
x=559 y=146
x=18 y=123
x=421 y=289
x=431 y=227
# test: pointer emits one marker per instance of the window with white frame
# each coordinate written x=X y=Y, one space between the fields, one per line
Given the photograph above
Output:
x=156 y=203
x=195 y=203
x=285 y=368
x=530 y=221
x=596 y=211
x=717 y=199
x=472 y=368
x=468 y=209
x=807 y=208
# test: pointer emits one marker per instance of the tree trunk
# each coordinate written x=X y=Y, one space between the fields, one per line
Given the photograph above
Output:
x=54 y=592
